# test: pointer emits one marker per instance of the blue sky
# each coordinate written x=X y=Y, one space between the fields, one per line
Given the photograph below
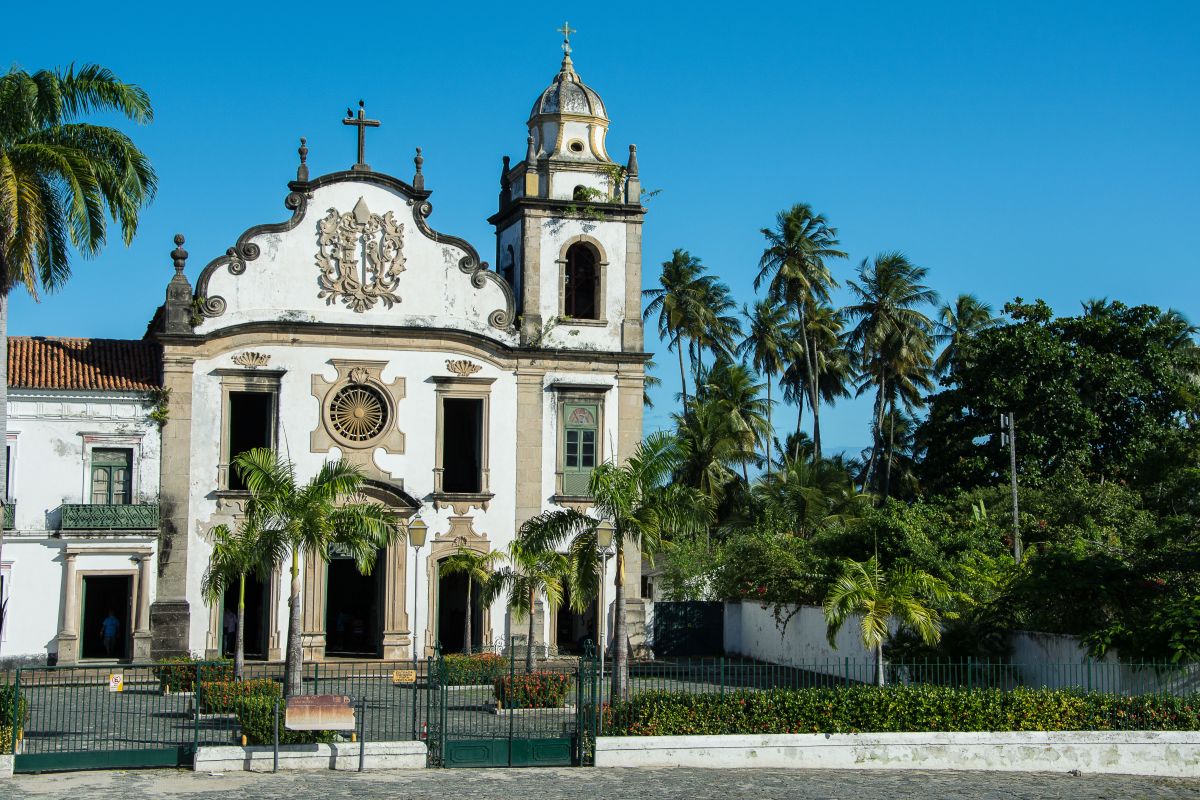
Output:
x=1037 y=149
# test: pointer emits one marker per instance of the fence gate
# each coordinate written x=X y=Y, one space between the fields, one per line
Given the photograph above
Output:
x=518 y=716
x=111 y=717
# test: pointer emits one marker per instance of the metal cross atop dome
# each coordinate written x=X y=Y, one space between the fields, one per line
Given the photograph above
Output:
x=566 y=30
x=362 y=123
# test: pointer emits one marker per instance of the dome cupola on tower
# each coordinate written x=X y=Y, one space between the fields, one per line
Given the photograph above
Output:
x=568 y=119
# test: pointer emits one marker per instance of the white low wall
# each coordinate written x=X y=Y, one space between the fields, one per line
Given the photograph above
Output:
x=752 y=631
x=1168 y=754
x=343 y=756
x=1056 y=661
x=6 y=766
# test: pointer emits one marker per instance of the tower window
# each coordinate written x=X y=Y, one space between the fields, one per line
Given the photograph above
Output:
x=581 y=283
x=508 y=267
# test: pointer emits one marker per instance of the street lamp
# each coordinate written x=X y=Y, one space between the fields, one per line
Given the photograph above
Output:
x=604 y=542
x=416 y=538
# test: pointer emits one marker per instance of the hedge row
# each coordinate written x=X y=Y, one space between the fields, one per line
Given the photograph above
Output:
x=179 y=674
x=896 y=709
x=225 y=697
x=476 y=669
x=8 y=696
x=532 y=690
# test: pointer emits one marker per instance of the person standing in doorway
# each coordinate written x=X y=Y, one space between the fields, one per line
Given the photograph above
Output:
x=109 y=630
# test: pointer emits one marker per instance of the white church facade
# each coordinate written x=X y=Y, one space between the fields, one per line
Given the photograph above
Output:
x=471 y=397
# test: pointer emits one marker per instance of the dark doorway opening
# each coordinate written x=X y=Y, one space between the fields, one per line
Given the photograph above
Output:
x=250 y=416
x=353 y=608
x=452 y=613
x=462 y=445
x=574 y=630
x=255 y=639
x=107 y=607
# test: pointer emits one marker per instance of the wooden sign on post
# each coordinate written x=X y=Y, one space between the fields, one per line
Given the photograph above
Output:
x=319 y=712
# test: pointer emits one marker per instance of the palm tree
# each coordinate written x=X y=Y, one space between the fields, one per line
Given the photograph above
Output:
x=735 y=393
x=478 y=567
x=677 y=301
x=810 y=494
x=832 y=367
x=305 y=519
x=234 y=555
x=533 y=569
x=768 y=345
x=649 y=382
x=865 y=590
x=956 y=323
x=892 y=340
x=711 y=447
x=793 y=264
x=59 y=179
x=718 y=328
x=643 y=507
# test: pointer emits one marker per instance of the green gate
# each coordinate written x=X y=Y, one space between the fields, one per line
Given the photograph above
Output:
x=505 y=711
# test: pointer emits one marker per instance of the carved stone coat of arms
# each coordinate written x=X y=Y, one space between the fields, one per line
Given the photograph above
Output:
x=360 y=257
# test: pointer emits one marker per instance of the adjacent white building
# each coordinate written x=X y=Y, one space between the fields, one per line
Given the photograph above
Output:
x=473 y=397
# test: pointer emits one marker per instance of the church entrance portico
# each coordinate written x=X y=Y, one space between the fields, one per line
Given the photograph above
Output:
x=353 y=606
x=452 y=613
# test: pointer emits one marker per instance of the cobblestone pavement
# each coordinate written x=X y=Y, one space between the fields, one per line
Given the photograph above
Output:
x=545 y=784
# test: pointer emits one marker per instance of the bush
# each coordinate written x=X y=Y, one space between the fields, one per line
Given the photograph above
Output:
x=858 y=709
x=8 y=696
x=532 y=690
x=477 y=669
x=256 y=716
x=179 y=674
x=224 y=697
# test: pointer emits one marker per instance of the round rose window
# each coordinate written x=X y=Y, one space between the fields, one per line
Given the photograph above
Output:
x=358 y=413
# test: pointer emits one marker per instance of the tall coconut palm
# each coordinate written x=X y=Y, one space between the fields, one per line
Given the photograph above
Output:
x=793 y=266
x=533 y=569
x=678 y=302
x=649 y=382
x=60 y=178
x=304 y=519
x=768 y=345
x=878 y=597
x=737 y=395
x=478 y=567
x=235 y=554
x=892 y=337
x=643 y=507
x=717 y=328
x=958 y=322
x=712 y=448
x=832 y=370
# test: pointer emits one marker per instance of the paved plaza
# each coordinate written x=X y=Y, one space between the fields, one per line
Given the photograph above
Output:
x=599 y=784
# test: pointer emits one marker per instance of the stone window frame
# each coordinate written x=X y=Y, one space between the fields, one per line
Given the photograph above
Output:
x=463 y=388
x=244 y=380
x=581 y=393
x=601 y=319
x=96 y=440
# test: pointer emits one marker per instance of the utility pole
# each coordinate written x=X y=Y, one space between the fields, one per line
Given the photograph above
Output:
x=1008 y=433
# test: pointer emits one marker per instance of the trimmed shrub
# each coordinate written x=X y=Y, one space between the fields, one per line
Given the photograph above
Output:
x=476 y=669
x=869 y=709
x=532 y=690
x=179 y=674
x=225 y=697
x=256 y=716
x=8 y=697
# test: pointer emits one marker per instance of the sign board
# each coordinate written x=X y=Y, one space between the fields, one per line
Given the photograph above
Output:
x=319 y=712
x=116 y=682
x=404 y=676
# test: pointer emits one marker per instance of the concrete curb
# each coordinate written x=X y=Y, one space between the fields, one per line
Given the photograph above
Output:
x=340 y=756
x=1165 y=754
x=6 y=765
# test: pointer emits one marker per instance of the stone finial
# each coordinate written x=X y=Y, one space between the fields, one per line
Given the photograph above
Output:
x=179 y=255
x=633 y=184
x=530 y=154
x=504 y=171
x=302 y=170
x=632 y=169
x=419 y=179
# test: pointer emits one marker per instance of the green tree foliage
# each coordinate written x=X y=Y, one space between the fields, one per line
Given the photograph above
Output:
x=235 y=554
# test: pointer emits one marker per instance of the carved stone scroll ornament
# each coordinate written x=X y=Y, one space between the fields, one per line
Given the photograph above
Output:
x=251 y=359
x=462 y=367
x=360 y=257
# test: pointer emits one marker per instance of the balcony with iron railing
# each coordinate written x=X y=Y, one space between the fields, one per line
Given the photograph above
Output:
x=134 y=517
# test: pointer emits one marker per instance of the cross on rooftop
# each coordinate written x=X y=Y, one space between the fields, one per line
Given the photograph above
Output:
x=566 y=30
x=362 y=123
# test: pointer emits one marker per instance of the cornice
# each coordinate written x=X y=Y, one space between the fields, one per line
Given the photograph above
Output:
x=549 y=207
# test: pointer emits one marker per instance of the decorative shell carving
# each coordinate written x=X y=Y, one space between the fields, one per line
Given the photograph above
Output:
x=251 y=359
x=358 y=375
x=462 y=367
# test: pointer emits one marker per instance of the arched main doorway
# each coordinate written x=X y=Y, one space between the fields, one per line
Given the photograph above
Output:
x=353 y=607
x=452 y=613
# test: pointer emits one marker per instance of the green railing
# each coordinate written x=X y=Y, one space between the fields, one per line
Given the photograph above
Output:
x=10 y=516
x=143 y=516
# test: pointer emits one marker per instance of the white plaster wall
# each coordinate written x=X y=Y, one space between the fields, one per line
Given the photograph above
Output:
x=52 y=432
x=282 y=283
x=1057 y=661
x=555 y=233
x=752 y=631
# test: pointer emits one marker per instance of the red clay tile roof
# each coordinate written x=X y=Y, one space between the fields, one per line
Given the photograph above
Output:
x=36 y=362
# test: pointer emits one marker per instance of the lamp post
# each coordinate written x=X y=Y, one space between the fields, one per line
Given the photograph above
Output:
x=604 y=541
x=416 y=538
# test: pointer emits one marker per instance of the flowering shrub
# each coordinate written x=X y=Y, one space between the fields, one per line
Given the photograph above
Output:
x=469 y=670
x=223 y=697
x=532 y=690
x=858 y=709
x=179 y=674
